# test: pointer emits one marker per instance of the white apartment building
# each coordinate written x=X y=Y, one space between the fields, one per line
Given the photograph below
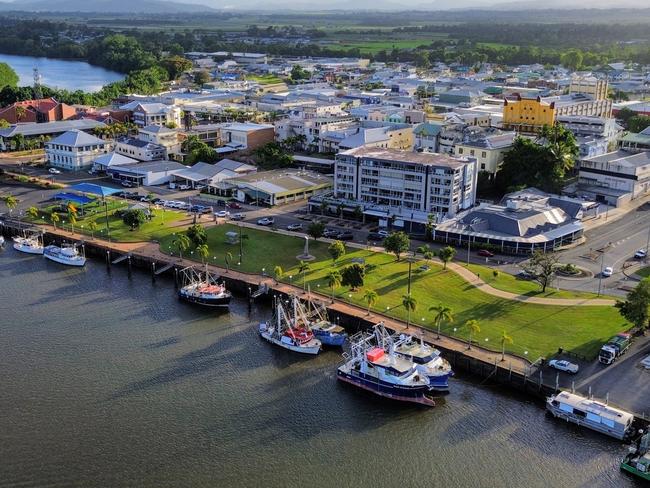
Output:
x=419 y=182
x=74 y=150
x=145 y=114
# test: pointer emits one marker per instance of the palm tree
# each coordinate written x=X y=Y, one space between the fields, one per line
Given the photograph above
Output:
x=505 y=339
x=92 y=226
x=278 y=272
x=370 y=296
x=410 y=304
x=303 y=267
x=228 y=260
x=203 y=252
x=54 y=217
x=20 y=112
x=11 y=202
x=442 y=313
x=474 y=328
x=182 y=243
x=334 y=280
x=72 y=215
x=32 y=212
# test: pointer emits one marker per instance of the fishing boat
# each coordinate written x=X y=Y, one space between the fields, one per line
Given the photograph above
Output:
x=203 y=289
x=325 y=331
x=591 y=414
x=427 y=359
x=284 y=331
x=370 y=367
x=2 y=241
x=29 y=245
x=67 y=254
x=637 y=461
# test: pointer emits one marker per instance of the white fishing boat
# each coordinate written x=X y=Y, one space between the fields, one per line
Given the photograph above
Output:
x=284 y=331
x=68 y=254
x=203 y=289
x=29 y=245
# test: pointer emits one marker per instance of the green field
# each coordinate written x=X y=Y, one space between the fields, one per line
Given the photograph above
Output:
x=373 y=47
x=264 y=79
x=538 y=329
x=644 y=272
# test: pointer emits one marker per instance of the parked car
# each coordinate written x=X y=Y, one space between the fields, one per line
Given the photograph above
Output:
x=645 y=363
x=294 y=226
x=564 y=365
x=375 y=236
x=641 y=254
x=345 y=236
x=184 y=187
x=237 y=216
x=54 y=171
x=608 y=271
x=331 y=233
x=126 y=184
x=524 y=275
x=234 y=205
x=485 y=253
x=222 y=213
x=266 y=221
x=383 y=233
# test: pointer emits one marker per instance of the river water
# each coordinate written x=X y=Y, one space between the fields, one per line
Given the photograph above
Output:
x=106 y=381
x=59 y=73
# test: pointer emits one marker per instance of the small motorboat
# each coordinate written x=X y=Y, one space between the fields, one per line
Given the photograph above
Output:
x=29 y=245
x=67 y=254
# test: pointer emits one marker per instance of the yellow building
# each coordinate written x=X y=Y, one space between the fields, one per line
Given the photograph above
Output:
x=527 y=114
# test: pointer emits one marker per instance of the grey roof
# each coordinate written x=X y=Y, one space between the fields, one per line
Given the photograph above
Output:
x=132 y=141
x=622 y=158
x=236 y=166
x=76 y=138
x=430 y=159
x=149 y=167
x=519 y=223
x=156 y=129
x=35 y=129
x=114 y=159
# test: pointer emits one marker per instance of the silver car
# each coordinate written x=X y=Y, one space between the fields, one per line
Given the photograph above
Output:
x=564 y=365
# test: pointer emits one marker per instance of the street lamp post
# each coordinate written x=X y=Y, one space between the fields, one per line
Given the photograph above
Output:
x=600 y=277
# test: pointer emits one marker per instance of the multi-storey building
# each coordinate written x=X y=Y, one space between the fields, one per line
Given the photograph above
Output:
x=419 y=182
x=74 y=150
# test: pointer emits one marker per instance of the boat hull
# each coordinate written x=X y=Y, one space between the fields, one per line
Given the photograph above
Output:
x=291 y=347
x=329 y=339
x=440 y=382
x=633 y=471
x=223 y=301
x=598 y=427
x=57 y=259
x=27 y=249
x=394 y=392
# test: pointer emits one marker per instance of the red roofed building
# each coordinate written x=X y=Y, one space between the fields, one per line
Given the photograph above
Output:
x=43 y=110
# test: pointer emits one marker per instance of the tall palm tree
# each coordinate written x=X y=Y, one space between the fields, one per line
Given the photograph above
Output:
x=32 y=212
x=474 y=328
x=505 y=339
x=182 y=243
x=228 y=260
x=303 y=267
x=92 y=226
x=203 y=252
x=11 y=202
x=370 y=296
x=442 y=313
x=334 y=280
x=410 y=304
x=54 y=217
x=278 y=272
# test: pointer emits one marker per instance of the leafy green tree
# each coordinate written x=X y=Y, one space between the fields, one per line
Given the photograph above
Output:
x=176 y=65
x=202 y=77
x=353 y=276
x=638 y=123
x=134 y=218
x=636 y=308
x=11 y=203
x=278 y=272
x=446 y=254
x=32 y=212
x=474 y=328
x=272 y=156
x=334 y=280
x=371 y=297
x=8 y=76
x=410 y=304
x=197 y=234
x=542 y=267
x=572 y=59
x=442 y=314
x=299 y=73
x=336 y=249
x=315 y=230
x=397 y=243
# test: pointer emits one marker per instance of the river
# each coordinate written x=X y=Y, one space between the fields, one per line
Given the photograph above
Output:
x=59 y=73
x=107 y=381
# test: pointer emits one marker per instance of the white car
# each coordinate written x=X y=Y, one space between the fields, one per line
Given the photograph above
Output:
x=645 y=363
x=222 y=213
x=54 y=171
x=608 y=271
x=294 y=226
x=564 y=365
x=383 y=233
x=266 y=221
x=641 y=254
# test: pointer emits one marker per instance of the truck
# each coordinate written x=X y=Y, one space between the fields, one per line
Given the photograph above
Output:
x=614 y=348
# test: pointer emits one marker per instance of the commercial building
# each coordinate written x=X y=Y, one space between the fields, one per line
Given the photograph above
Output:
x=141 y=150
x=488 y=148
x=421 y=182
x=209 y=175
x=74 y=150
x=246 y=135
x=636 y=142
x=145 y=174
x=44 y=130
x=41 y=110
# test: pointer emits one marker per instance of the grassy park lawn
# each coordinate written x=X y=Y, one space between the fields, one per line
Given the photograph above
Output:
x=644 y=272
x=538 y=329
x=160 y=225
x=264 y=79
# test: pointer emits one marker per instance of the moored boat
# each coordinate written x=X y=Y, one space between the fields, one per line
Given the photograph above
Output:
x=283 y=331
x=203 y=289
x=637 y=461
x=29 y=245
x=2 y=241
x=591 y=414
x=370 y=367
x=66 y=254
x=427 y=359
x=328 y=333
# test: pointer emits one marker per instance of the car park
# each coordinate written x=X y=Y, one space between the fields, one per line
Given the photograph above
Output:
x=265 y=221
x=485 y=253
x=344 y=236
x=294 y=226
x=608 y=271
x=640 y=254
x=54 y=171
x=564 y=365
x=237 y=216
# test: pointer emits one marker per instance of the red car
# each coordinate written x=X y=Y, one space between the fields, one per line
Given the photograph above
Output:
x=234 y=205
x=485 y=253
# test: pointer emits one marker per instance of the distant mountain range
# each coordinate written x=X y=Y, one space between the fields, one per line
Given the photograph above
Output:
x=105 y=6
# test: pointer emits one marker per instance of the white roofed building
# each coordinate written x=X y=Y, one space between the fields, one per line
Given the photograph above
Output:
x=74 y=150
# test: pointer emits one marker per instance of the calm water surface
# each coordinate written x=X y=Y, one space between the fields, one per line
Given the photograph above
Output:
x=58 y=73
x=111 y=382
